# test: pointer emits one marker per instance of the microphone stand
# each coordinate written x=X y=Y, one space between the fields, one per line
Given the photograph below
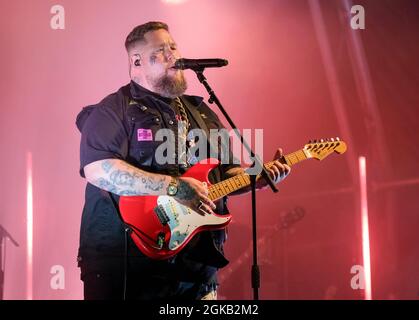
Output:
x=213 y=99
x=3 y=235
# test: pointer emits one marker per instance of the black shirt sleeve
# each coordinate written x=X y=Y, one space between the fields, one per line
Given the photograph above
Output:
x=103 y=136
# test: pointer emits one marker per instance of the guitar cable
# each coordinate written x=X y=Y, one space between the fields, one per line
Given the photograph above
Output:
x=142 y=235
x=127 y=230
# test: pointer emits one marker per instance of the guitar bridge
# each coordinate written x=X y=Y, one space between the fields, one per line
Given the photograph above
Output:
x=161 y=215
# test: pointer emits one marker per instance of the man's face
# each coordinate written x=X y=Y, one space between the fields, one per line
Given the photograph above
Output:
x=158 y=55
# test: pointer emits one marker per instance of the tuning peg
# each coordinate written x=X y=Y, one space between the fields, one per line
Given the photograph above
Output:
x=337 y=139
x=321 y=140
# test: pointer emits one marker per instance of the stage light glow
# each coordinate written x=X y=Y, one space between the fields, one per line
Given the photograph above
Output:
x=29 y=227
x=365 y=227
x=174 y=1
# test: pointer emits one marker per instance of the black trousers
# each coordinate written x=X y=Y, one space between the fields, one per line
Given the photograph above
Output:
x=114 y=286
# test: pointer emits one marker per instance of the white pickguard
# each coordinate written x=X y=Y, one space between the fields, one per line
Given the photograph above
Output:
x=183 y=220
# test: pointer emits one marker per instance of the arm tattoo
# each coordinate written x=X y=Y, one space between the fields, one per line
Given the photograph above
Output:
x=129 y=193
x=185 y=192
x=122 y=179
x=154 y=185
x=107 y=165
x=106 y=185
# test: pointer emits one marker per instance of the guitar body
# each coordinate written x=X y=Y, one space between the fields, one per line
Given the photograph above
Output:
x=161 y=226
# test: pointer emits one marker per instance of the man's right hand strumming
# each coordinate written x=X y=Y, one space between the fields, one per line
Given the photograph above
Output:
x=194 y=194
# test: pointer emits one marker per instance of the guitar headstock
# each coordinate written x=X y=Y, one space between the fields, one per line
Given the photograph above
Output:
x=320 y=149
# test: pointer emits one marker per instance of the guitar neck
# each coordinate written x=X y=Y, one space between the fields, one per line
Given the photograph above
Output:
x=230 y=185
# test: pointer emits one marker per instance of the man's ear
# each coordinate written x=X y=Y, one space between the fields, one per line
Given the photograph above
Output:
x=135 y=60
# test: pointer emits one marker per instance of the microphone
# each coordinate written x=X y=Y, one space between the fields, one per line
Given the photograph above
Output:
x=199 y=64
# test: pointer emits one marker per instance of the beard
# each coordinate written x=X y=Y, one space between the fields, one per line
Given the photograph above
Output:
x=170 y=86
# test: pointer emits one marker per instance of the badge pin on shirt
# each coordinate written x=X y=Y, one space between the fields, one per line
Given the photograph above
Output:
x=144 y=135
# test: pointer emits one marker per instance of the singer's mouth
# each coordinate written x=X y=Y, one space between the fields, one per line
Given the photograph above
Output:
x=172 y=70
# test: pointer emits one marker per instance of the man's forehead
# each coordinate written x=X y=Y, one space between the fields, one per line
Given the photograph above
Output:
x=158 y=37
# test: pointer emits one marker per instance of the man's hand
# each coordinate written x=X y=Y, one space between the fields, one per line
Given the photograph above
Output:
x=194 y=194
x=278 y=171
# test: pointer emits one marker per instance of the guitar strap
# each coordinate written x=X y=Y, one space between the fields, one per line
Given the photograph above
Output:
x=213 y=253
x=201 y=123
x=196 y=115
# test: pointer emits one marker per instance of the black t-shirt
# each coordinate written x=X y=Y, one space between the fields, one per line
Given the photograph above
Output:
x=122 y=126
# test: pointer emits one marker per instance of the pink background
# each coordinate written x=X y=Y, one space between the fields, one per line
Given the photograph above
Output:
x=284 y=77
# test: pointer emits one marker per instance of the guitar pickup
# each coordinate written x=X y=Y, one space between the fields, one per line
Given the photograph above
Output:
x=161 y=215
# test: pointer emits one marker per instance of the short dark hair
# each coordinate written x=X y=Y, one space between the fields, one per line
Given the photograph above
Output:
x=137 y=34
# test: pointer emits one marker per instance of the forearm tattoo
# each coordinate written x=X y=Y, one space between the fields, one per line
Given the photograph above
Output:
x=185 y=191
x=106 y=185
x=123 y=179
x=107 y=165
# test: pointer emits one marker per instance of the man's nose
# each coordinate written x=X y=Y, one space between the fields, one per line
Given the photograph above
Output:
x=171 y=55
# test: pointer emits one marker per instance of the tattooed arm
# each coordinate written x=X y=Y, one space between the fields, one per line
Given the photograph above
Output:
x=121 y=178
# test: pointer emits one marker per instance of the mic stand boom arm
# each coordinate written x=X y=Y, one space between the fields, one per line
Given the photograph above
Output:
x=213 y=98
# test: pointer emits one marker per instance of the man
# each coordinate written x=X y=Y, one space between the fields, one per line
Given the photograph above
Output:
x=117 y=157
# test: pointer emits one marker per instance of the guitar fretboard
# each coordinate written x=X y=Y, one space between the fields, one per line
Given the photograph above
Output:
x=230 y=185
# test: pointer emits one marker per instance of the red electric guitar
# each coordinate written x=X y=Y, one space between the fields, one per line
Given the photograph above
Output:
x=162 y=227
